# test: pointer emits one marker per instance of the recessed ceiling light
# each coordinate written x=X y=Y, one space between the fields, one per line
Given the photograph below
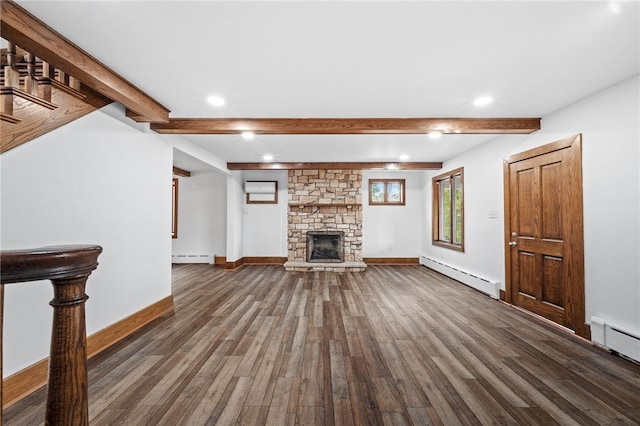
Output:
x=615 y=7
x=216 y=100
x=434 y=135
x=248 y=135
x=483 y=100
x=404 y=157
x=267 y=157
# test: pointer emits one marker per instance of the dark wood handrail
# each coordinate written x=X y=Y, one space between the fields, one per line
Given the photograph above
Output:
x=68 y=268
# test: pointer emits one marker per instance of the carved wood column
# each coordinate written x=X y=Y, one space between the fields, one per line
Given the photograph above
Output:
x=67 y=394
x=68 y=268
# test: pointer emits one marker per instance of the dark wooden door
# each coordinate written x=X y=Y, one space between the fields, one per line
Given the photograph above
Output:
x=544 y=236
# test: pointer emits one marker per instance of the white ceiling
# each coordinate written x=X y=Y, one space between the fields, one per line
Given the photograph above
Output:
x=355 y=59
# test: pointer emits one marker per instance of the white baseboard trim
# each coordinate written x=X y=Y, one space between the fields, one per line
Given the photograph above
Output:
x=492 y=288
x=193 y=258
x=618 y=339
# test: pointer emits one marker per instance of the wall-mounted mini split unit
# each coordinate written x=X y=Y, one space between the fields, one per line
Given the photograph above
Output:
x=261 y=192
x=254 y=187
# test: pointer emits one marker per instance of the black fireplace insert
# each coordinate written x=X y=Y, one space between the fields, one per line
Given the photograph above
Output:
x=325 y=246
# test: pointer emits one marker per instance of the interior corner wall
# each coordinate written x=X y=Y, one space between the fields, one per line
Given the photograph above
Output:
x=98 y=180
x=609 y=122
x=393 y=231
x=265 y=225
x=202 y=204
x=235 y=216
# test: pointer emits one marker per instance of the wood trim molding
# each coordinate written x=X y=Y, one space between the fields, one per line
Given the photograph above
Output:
x=416 y=165
x=435 y=210
x=175 y=187
x=14 y=91
x=25 y=30
x=33 y=377
x=219 y=260
x=264 y=260
x=543 y=149
x=262 y=198
x=117 y=331
x=236 y=264
x=253 y=260
x=385 y=194
x=181 y=172
x=24 y=382
x=346 y=126
x=392 y=261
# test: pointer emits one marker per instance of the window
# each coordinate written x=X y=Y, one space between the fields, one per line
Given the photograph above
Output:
x=174 y=208
x=448 y=210
x=386 y=192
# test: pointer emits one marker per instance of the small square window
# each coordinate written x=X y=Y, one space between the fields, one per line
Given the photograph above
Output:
x=386 y=192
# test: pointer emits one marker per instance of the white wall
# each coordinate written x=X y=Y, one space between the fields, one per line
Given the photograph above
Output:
x=265 y=225
x=235 y=216
x=610 y=125
x=189 y=148
x=202 y=210
x=393 y=231
x=97 y=180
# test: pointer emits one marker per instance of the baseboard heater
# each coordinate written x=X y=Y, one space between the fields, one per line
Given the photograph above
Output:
x=492 y=288
x=192 y=258
x=615 y=338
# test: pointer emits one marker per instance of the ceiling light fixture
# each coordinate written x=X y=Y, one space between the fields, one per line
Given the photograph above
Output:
x=248 y=135
x=483 y=100
x=267 y=157
x=217 y=101
x=434 y=135
x=615 y=7
x=404 y=157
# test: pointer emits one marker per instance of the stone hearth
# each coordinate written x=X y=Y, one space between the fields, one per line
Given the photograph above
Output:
x=325 y=201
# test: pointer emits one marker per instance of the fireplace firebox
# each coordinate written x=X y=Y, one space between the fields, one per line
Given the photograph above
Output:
x=325 y=246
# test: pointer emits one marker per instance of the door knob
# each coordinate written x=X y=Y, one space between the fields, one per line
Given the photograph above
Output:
x=513 y=243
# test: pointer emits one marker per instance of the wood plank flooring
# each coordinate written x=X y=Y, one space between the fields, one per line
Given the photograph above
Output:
x=394 y=345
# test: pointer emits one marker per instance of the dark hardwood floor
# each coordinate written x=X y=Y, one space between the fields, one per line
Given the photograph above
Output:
x=393 y=345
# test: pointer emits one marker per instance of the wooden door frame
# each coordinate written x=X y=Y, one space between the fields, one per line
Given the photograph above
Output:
x=576 y=228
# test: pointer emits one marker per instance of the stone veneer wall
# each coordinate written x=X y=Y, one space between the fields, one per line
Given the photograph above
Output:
x=325 y=200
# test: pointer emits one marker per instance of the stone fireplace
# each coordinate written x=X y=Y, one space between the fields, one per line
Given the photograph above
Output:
x=328 y=204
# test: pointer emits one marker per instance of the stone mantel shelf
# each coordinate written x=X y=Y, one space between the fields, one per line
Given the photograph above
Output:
x=324 y=205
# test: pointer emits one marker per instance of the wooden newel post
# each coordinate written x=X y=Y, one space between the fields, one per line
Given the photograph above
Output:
x=68 y=268
x=67 y=397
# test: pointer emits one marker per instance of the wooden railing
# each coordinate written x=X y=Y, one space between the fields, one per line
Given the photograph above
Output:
x=46 y=81
x=68 y=268
x=25 y=76
x=36 y=97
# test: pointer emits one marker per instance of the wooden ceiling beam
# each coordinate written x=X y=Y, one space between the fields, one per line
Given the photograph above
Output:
x=346 y=126
x=337 y=166
x=25 y=30
x=181 y=172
